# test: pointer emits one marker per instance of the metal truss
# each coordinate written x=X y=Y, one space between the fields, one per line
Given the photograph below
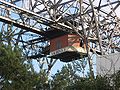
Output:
x=30 y=22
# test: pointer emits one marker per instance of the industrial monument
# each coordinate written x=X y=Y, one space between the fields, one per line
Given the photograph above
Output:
x=65 y=30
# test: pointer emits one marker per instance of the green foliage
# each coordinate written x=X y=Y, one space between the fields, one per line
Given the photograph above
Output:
x=67 y=79
x=42 y=81
x=116 y=80
x=100 y=83
x=14 y=72
x=64 y=78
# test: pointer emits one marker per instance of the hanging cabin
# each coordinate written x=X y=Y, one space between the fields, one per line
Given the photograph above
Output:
x=64 y=46
x=67 y=48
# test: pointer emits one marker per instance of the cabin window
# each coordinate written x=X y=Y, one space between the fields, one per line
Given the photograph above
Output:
x=58 y=44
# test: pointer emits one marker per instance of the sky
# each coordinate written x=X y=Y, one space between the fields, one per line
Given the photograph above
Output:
x=59 y=64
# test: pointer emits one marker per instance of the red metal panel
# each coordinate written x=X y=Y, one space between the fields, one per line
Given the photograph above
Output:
x=59 y=42
x=73 y=40
x=64 y=41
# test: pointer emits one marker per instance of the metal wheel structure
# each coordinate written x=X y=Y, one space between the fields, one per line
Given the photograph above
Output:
x=28 y=23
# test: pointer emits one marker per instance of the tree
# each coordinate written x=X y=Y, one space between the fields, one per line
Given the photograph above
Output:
x=116 y=80
x=67 y=79
x=64 y=78
x=14 y=72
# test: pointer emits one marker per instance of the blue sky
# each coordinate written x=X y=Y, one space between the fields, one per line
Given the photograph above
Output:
x=59 y=64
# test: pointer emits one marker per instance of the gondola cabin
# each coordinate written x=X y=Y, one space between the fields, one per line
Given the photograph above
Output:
x=67 y=48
